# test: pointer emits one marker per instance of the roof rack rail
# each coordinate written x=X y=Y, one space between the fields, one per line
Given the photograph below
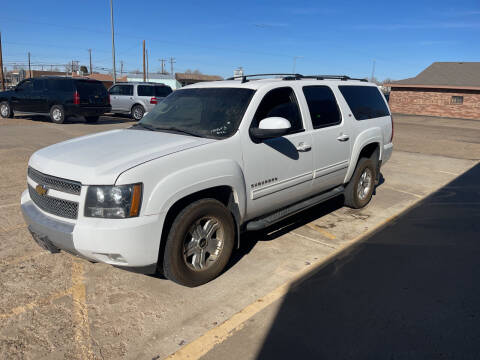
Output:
x=245 y=77
x=288 y=76
x=326 y=77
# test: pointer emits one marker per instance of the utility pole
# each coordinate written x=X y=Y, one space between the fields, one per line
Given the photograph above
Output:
x=121 y=67
x=1 y=64
x=113 y=43
x=373 y=71
x=295 y=63
x=147 y=64
x=163 y=65
x=172 y=61
x=144 y=75
x=29 y=67
x=90 y=52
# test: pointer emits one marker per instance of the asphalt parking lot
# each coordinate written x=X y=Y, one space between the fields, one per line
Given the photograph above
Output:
x=58 y=306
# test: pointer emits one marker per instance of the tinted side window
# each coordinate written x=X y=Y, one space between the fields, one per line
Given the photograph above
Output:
x=280 y=102
x=64 y=85
x=38 y=84
x=322 y=106
x=145 y=90
x=162 y=91
x=366 y=102
x=27 y=85
x=126 y=90
x=115 y=90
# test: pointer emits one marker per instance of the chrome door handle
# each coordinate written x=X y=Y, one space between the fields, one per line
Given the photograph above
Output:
x=343 y=137
x=304 y=147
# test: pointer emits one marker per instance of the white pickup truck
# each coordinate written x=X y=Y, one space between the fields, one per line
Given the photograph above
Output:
x=173 y=192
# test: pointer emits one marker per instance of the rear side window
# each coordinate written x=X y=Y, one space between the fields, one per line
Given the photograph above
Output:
x=162 y=91
x=64 y=85
x=366 y=102
x=89 y=88
x=38 y=84
x=280 y=102
x=145 y=90
x=322 y=106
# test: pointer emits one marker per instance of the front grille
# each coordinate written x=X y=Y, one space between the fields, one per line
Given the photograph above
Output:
x=52 y=182
x=53 y=205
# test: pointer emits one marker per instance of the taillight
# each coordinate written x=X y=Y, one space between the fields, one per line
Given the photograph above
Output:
x=76 y=98
x=153 y=100
x=391 y=138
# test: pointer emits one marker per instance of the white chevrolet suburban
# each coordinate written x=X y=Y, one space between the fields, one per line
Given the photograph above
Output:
x=173 y=192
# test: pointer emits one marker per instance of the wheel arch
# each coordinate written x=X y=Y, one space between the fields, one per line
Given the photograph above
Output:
x=366 y=144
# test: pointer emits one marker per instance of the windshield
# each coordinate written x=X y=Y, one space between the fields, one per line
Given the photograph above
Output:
x=207 y=112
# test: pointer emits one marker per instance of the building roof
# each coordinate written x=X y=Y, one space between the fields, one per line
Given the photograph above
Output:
x=102 y=77
x=197 y=77
x=447 y=75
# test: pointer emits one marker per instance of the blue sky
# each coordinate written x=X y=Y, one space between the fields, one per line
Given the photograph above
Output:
x=334 y=37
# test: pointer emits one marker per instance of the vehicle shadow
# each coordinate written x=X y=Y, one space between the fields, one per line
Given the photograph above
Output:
x=408 y=291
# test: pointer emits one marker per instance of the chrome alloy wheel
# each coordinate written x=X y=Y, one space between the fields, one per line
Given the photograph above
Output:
x=137 y=113
x=57 y=114
x=365 y=184
x=203 y=244
x=4 y=110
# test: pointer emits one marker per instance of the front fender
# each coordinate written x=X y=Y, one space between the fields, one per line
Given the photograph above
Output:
x=369 y=136
x=193 y=179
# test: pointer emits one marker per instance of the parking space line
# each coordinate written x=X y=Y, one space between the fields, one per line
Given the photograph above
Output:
x=447 y=172
x=313 y=240
x=206 y=342
x=80 y=311
x=24 y=308
x=322 y=231
x=403 y=191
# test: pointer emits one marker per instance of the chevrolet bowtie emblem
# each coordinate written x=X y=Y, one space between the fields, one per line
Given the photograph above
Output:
x=41 y=190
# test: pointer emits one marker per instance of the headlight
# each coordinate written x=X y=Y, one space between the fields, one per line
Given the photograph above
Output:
x=114 y=202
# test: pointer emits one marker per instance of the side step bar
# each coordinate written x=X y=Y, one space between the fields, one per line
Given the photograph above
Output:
x=266 y=221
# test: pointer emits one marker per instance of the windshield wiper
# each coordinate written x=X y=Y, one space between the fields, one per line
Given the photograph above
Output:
x=174 y=129
x=144 y=126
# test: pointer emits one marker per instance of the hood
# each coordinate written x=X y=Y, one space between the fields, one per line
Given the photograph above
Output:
x=99 y=159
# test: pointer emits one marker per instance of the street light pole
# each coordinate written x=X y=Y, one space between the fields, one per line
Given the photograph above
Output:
x=295 y=63
x=113 y=43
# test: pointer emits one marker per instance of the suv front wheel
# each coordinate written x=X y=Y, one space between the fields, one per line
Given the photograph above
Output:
x=199 y=243
x=5 y=110
x=137 y=112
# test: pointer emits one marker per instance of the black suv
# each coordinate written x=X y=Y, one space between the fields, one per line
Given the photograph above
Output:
x=58 y=97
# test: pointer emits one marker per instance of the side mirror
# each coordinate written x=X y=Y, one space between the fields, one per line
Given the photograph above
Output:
x=270 y=128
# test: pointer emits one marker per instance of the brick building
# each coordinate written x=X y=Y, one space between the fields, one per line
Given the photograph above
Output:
x=446 y=89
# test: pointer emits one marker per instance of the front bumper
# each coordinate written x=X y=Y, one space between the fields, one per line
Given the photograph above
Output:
x=132 y=244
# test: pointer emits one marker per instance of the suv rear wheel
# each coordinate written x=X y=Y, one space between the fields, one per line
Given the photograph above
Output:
x=199 y=243
x=57 y=114
x=5 y=110
x=359 y=190
x=137 y=112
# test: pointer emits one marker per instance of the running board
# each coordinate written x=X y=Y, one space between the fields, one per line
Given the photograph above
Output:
x=266 y=221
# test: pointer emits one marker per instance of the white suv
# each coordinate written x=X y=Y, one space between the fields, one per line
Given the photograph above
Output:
x=174 y=192
x=136 y=98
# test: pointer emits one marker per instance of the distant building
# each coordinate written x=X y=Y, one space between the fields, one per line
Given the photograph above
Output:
x=156 y=78
x=191 y=78
x=446 y=89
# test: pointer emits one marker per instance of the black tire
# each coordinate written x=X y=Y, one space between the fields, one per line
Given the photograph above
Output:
x=352 y=196
x=177 y=266
x=137 y=112
x=57 y=114
x=92 y=119
x=6 y=111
